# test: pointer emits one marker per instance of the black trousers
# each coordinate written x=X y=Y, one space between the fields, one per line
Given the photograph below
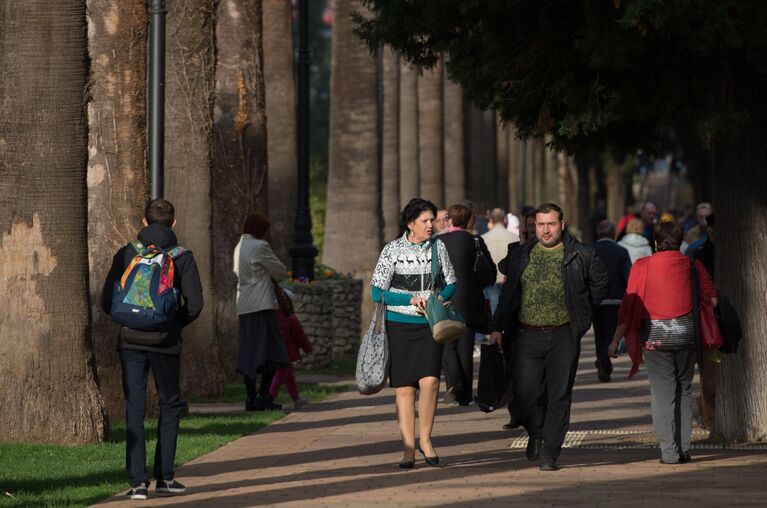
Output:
x=544 y=365
x=458 y=360
x=135 y=371
x=605 y=323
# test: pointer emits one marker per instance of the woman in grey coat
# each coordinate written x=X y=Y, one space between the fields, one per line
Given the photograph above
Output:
x=261 y=349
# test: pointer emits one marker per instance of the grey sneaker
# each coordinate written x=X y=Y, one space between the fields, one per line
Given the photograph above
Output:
x=299 y=403
x=139 y=492
x=170 y=487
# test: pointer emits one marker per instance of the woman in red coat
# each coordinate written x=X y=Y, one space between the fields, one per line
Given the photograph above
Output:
x=657 y=320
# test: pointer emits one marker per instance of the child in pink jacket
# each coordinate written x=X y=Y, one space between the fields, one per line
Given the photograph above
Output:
x=295 y=339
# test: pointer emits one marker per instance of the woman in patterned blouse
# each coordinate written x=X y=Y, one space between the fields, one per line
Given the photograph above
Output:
x=402 y=280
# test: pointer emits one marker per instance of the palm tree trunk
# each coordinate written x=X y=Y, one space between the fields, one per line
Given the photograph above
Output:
x=353 y=220
x=117 y=176
x=409 y=174
x=239 y=165
x=189 y=122
x=504 y=155
x=430 y=135
x=48 y=387
x=741 y=183
x=455 y=163
x=281 y=122
x=390 y=167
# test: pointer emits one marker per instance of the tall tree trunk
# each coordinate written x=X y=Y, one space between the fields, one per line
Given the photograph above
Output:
x=502 y=163
x=117 y=176
x=279 y=73
x=409 y=173
x=481 y=156
x=551 y=185
x=48 y=387
x=741 y=185
x=239 y=168
x=390 y=167
x=455 y=162
x=189 y=121
x=511 y=159
x=353 y=207
x=430 y=121
x=568 y=188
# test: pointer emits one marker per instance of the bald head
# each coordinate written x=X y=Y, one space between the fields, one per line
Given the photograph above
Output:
x=648 y=213
x=498 y=216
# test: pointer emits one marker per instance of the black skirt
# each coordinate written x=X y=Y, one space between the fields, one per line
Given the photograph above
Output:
x=260 y=344
x=414 y=353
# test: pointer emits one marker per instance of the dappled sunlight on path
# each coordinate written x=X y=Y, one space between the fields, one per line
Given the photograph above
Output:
x=344 y=452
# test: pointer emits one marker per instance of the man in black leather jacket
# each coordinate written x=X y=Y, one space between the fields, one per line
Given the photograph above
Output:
x=546 y=305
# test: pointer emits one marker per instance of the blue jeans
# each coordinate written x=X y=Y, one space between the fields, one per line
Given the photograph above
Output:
x=493 y=294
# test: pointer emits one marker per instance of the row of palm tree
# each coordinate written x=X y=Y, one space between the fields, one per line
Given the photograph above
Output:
x=73 y=184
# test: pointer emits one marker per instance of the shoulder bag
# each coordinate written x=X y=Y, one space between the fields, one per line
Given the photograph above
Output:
x=444 y=320
x=373 y=357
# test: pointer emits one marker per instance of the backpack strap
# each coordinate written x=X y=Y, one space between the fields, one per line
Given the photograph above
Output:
x=141 y=249
x=176 y=251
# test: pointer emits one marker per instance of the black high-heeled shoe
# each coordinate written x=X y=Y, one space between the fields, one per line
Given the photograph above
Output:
x=407 y=464
x=432 y=461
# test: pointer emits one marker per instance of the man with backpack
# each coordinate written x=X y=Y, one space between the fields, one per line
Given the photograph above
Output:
x=153 y=290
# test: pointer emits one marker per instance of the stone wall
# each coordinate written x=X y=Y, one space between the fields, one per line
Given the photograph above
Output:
x=329 y=311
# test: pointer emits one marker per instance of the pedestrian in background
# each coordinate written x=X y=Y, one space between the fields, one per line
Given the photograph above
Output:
x=260 y=346
x=618 y=264
x=637 y=245
x=656 y=317
x=497 y=240
x=295 y=339
x=469 y=301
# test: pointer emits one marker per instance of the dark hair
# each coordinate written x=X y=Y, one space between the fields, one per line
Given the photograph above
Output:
x=605 y=229
x=668 y=236
x=283 y=300
x=412 y=211
x=550 y=207
x=160 y=211
x=460 y=215
x=256 y=225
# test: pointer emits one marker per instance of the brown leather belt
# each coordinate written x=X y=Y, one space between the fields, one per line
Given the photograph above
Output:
x=523 y=326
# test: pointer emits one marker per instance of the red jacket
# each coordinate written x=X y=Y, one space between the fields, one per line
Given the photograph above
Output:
x=659 y=287
x=293 y=335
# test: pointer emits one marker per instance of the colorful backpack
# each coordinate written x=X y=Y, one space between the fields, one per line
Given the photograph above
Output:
x=144 y=298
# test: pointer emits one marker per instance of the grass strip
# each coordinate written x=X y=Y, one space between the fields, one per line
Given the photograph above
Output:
x=79 y=475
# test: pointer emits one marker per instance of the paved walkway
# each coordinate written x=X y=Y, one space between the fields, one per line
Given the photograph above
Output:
x=343 y=452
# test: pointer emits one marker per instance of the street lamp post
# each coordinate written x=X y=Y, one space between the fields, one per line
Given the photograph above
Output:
x=156 y=134
x=303 y=251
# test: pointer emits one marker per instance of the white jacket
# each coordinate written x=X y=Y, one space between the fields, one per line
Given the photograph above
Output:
x=497 y=241
x=637 y=245
x=255 y=264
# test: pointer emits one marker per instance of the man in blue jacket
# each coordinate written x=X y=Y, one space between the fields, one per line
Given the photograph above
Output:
x=618 y=263
x=163 y=358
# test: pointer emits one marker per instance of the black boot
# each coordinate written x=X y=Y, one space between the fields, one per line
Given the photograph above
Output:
x=269 y=405
x=254 y=404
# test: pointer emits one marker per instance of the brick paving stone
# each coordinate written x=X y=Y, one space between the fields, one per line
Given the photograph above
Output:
x=343 y=452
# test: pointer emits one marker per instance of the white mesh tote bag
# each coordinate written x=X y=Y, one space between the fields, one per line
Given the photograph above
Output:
x=373 y=357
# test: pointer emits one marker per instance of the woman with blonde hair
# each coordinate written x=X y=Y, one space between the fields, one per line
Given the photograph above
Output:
x=637 y=245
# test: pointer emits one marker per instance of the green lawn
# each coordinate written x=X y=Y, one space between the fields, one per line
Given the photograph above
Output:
x=52 y=475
